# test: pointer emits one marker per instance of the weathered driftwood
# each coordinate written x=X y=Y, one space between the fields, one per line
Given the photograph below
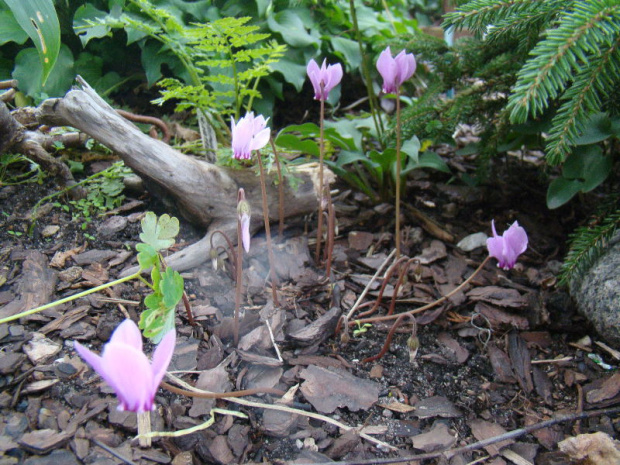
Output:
x=203 y=193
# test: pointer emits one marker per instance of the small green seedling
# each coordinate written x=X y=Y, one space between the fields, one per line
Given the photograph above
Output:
x=361 y=328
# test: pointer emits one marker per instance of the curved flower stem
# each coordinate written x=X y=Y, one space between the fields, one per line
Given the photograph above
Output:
x=231 y=248
x=386 y=278
x=388 y=339
x=272 y=261
x=398 y=167
x=70 y=298
x=427 y=306
x=319 y=232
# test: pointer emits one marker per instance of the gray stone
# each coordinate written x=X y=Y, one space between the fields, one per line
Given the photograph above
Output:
x=597 y=293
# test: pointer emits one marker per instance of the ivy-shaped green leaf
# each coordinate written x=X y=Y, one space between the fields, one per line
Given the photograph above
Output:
x=160 y=233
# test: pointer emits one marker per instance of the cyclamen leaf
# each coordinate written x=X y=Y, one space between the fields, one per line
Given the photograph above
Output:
x=160 y=233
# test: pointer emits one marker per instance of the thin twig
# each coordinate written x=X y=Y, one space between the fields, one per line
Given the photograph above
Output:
x=111 y=451
x=367 y=288
x=281 y=408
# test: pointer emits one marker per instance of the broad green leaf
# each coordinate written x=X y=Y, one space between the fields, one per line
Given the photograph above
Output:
x=39 y=20
x=588 y=165
x=171 y=287
x=293 y=68
x=11 y=31
x=85 y=31
x=160 y=233
x=427 y=160
x=147 y=256
x=90 y=68
x=28 y=71
x=161 y=330
x=292 y=29
x=596 y=129
x=561 y=190
x=411 y=148
x=293 y=142
x=345 y=133
x=348 y=50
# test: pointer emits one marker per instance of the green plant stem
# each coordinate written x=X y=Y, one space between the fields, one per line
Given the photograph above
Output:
x=398 y=181
x=272 y=261
x=319 y=232
x=372 y=98
x=70 y=298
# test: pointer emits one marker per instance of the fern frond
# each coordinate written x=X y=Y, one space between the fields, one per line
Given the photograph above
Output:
x=562 y=53
x=581 y=100
x=587 y=245
x=477 y=15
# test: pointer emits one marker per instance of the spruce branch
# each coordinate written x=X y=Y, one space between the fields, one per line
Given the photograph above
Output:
x=564 y=51
x=581 y=100
x=588 y=243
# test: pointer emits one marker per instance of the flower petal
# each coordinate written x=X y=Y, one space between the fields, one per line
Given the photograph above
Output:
x=161 y=358
x=261 y=139
x=387 y=68
x=127 y=333
x=129 y=373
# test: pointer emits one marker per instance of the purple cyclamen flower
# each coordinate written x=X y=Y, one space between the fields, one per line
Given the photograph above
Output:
x=249 y=134
x=507 y=247
x=396 y=70
x=126 y=369
x=324 y=79
x=244 y=212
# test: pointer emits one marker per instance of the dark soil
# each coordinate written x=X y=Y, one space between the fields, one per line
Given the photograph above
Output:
x=541 y=366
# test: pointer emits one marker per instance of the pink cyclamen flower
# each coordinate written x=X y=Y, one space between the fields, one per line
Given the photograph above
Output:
x=507 y=247
x=244 y=212
x=396 y=70
x=324 y=79
x=126 y=369
x=249 y=134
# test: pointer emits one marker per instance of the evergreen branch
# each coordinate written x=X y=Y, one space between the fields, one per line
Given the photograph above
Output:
x=528 y=24
x=477 y=15
x=564 y=51
x=581 y=100
x=587 y=245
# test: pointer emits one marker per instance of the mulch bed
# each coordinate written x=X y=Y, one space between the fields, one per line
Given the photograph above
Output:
x=506 y=352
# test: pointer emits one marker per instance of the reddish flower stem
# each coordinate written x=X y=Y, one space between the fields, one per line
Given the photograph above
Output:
x=398 y=167
x=319 y=233
x=390 y=335
x=239 y=279
x=272 y=261
x=280 y=191
x=427 y=306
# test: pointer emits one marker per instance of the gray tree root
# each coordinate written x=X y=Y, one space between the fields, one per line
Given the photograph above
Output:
x=203 y=193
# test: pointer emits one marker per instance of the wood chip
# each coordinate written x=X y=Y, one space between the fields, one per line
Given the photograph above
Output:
x=329 y=389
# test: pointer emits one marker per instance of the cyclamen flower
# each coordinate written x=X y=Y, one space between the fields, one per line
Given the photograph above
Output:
x=249 y=134
x=126 y=369
x=507 y=247
x=244 y=212
x=395 y=71
x=324 y=79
